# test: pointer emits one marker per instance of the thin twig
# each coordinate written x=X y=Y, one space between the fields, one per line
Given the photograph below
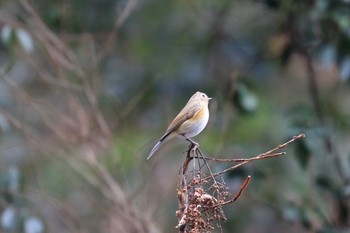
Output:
x=242 y=160
x=269 y=153
x=243 y=186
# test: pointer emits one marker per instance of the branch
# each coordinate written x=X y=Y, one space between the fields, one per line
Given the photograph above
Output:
x=242 y=160
x=201 y=197
x=268 y=154
x=243 y=186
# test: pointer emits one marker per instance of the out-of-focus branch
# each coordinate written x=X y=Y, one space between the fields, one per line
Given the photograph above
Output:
x=62 y=59
x=56 y=49
x=73 y=129
x=130 y=5
x=303 y=50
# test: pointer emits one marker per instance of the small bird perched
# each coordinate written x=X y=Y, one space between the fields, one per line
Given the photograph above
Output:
x=191 y=120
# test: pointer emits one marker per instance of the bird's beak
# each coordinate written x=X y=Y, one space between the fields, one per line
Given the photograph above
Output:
x=209 y=98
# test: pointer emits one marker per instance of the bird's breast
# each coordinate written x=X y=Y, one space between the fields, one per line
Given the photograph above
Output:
x=195 y=124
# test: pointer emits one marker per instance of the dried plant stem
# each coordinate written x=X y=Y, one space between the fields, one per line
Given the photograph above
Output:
x=268 y=154
x=201 y=197
x=243 y=186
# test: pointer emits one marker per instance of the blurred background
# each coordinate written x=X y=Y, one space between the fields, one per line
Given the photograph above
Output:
x=88 y=87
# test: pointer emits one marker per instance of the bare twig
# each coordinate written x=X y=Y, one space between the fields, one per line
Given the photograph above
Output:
x=268 y=154
x=243 y=186
x=201 y=197
x=242 y=160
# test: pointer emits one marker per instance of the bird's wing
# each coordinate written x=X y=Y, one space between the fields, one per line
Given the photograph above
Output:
x=184 y=115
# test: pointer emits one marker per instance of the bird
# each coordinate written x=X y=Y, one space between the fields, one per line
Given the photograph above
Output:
x=190 y=121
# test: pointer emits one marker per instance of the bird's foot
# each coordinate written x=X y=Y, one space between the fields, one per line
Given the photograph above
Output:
x=194 y=145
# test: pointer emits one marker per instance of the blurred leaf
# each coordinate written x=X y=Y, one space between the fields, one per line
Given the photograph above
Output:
x=25 y=40
x=343 y=19
x=273 y=4
x=320 y=7
x=14 y=176
x=324 y=182
x=13 y=36
x=10 y=181
x=342 y=210
x=4 y=124
x=344 y=69
x=290 y=213
x=33 y=224
x=346 y=190
x=9 y=219
x=302 y=153
x=277 y=44
x=328 y=55
x=245 y=100
x=343 y=47
x=285 y=55
x=305 y=218
x=7 y=36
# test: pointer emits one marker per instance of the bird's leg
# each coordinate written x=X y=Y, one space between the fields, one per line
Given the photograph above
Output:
x=194 y=144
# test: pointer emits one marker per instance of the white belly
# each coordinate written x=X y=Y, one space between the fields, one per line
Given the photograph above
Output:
x=193 y=128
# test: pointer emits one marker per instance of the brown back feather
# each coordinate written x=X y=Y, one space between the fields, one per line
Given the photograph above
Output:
x=184 y=115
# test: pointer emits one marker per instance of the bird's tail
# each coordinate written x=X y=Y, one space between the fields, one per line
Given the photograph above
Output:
x=166 y=137
x=154 y=149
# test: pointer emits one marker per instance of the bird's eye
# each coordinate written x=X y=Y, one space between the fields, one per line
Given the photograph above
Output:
x=203 y=95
